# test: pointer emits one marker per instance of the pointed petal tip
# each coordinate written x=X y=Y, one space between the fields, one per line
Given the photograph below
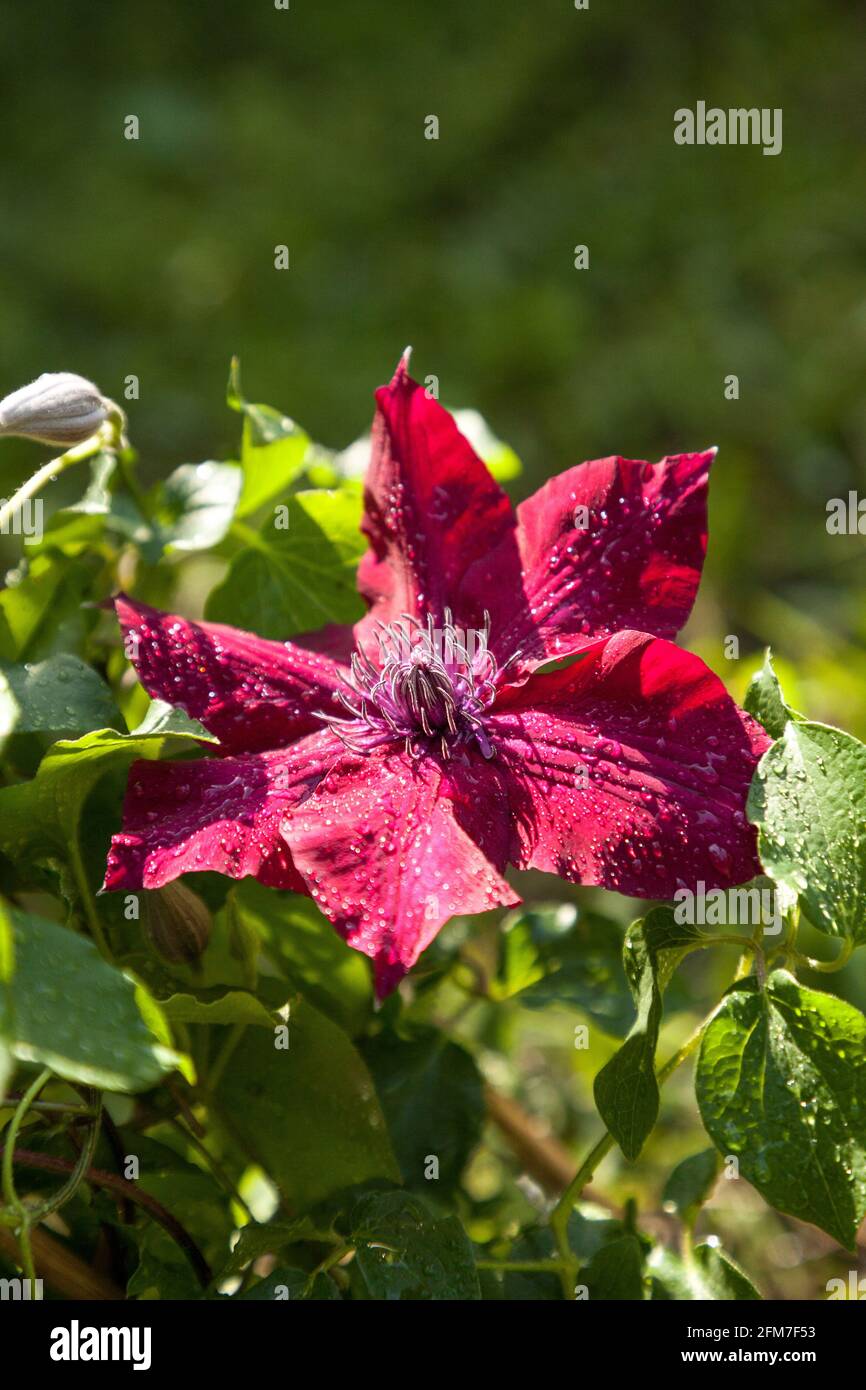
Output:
x=401 y=373
x=387 y=974
x=109 y=604
x=117 y=602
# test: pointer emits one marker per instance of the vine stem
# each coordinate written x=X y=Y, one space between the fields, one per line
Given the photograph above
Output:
x=523 y=1266
x=827 y=967
x=332 y=1258
x=567 y=1263
x=78 y=1174
x=112 y=1182
x=49 y=1107
x=215 y=1167
x=90 y=910
x=215 y=1073
x=105 y=436
x=10 y=1195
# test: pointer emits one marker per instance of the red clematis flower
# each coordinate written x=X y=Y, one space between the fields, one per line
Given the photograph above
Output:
x=394 y=772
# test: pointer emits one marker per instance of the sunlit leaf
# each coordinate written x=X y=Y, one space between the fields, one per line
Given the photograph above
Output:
x=66 y=1008
x=60 y=696
x=808 y=798
x=274 y=449
x=313 y=957
x=781 y=1084
x=432 y=1095
x=405 y=1250
x=298 y=576
x=765 y=701
x=307 y=1113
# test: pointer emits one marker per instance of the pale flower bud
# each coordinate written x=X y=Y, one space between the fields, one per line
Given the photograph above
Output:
x=57 y=408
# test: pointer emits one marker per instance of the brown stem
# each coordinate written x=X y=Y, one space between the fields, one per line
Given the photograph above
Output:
x=62 y=1269
x=185 y=1109
x=123 y=1188
x=542 y=1155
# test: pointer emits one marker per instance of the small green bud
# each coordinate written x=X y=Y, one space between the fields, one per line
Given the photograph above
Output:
x=176 y=923
x=57 y=408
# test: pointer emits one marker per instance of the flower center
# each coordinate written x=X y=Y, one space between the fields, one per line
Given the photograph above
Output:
x=431 y=688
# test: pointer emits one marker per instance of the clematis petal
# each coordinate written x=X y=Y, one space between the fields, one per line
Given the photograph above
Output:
x=383 y=855
x=606 y=546
x=252 y=693
x=431 y=511
x=336 y=640
x=219 y=814
x=630 y=769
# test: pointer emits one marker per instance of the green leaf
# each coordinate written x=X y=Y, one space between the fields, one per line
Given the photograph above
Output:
x=553 y=955
x=308 y=1115
x=40 y=609
x=10 y=710
x=526 y=1286
x=667 y=939
x=714 y=1275
x=270 y=469
x=781 y=1084
x=7 y=1023
x=708 y=1275
x=6 y=1068
x=59 y=696
x=764 y=699
x=162 y=718
x=589 y=1228
x=195 y=1199
x=808 y=798
x=190 y=510
x=265 y=1238
x=105 y=507
x=274 y=448
x=615 y=1271
x=626 y=1090
x=312 y=956
x=195 y=506
x=41 y=817
x=406 y=1250
x=668 y=1282
x=68 y=1009
x=691 y=1182
x=289 y=1284
x=431 y=1092
x=296 y=576
x=7 y=945
x=232 y=1006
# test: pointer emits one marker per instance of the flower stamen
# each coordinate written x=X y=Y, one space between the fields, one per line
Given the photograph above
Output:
x=432 y=687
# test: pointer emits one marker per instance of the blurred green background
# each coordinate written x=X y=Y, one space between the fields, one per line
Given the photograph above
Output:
x=305 y=127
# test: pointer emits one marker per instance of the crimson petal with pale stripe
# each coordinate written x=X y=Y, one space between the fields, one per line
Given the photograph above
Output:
x=608 y=545
x=386 y=860
x=218 y=814
x=630 y=769
x=251 y=693
x=431 y=511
